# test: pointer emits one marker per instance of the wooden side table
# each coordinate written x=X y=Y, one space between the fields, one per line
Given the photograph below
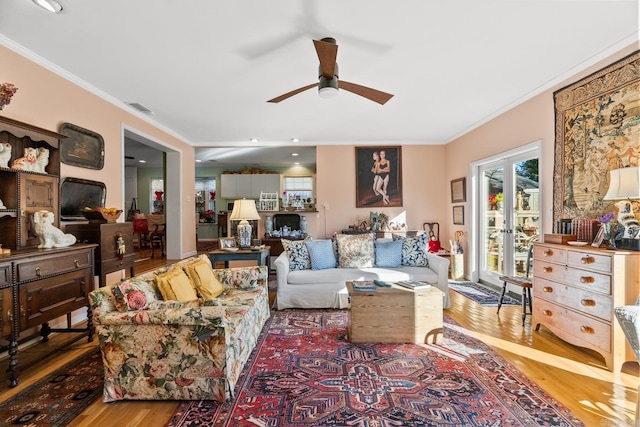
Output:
x=220 y=255
x=395 y=315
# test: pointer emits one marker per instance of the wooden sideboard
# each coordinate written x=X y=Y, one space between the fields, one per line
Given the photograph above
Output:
x=575 y=291
x=105 y=235
x=39 y=285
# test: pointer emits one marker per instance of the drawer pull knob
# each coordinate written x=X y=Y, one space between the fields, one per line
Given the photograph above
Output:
x=586 y=279
x=10 y=316
x=547 y=269
x=76 y=263
x=548 y=252
x=586 y=329
x=547 y=313
x=547 y=289
x=587 y=302
x=38 y=272
x=587 y=260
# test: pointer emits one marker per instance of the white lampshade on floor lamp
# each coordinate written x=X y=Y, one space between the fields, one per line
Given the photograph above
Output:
x=243 y=211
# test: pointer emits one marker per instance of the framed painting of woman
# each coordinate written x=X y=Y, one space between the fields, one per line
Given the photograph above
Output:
x=378 y=176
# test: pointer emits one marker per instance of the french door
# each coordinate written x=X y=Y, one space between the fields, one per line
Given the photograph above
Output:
x=508 y=214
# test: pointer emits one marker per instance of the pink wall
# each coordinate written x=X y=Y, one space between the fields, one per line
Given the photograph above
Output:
x=47 y=100
x=423 y=182
x=529 y=122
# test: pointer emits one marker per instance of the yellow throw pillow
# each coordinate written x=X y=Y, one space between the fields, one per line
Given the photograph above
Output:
x=175 y=285
x=206 y=283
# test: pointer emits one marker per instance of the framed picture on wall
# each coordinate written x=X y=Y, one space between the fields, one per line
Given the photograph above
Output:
x=378 y=177
x=459 y=190
x=458 y=215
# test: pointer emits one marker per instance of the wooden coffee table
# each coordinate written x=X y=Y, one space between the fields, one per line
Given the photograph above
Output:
x=395 y=315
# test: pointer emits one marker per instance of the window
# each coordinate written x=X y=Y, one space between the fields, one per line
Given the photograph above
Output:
x=297 y=188
x=156 y=199
x=205 y=195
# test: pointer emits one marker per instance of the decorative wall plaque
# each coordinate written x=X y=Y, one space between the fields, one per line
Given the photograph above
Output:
x=82 y=148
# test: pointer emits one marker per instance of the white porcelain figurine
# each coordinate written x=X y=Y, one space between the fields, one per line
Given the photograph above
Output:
x=50 y=236
x=5 y=154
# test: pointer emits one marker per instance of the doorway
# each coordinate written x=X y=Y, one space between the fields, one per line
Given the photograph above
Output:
x=507 y=211
x=169 y=169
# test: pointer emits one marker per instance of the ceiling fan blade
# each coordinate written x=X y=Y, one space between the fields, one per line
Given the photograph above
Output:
x=327 y=54
x=293 y=92
x=366 y=92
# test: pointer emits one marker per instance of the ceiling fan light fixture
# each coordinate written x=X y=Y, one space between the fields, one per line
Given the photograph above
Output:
x=328 y=88
x=49 y=5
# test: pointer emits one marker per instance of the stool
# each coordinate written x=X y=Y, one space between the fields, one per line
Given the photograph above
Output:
x=526 y=285
x=522 y=281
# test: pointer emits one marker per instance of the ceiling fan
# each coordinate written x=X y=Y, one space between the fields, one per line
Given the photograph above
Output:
x=328 y=84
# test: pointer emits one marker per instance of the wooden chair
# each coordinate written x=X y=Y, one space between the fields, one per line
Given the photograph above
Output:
x=156 y=235
x=524 y=282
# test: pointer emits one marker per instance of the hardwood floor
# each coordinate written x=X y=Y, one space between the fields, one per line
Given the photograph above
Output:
x=574 y=376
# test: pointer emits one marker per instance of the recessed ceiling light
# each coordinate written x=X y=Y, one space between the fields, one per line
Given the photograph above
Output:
x=142 y=161
x=50 y=5
x=295 y=140
x=254 y=140
x=296 y=163
x=294 y=154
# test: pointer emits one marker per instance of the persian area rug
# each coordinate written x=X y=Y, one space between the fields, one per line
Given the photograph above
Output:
x=481 y=294
x=58 y=398
x=305 y=372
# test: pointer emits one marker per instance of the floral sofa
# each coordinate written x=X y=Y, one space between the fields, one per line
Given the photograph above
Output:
x=179 y=348
x=314 y=274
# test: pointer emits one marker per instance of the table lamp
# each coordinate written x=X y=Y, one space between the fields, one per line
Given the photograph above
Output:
x=624 y=184
x=244 y=210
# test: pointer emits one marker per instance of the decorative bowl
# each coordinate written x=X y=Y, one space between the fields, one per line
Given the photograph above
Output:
x=100 y=216
x=576 y=243
x=231 y=249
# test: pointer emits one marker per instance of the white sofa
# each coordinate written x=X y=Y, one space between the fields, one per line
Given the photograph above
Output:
x=327 y=288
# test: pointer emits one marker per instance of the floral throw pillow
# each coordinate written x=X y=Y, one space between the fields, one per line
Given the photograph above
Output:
x=297 y=253
x=356 y=250
x=135 y=295
x=414 y=250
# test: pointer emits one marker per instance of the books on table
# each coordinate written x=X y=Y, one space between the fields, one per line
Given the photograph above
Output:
x=413 y=284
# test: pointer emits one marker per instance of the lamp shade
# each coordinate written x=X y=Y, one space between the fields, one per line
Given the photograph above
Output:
x=244 y=209
x=624 y=183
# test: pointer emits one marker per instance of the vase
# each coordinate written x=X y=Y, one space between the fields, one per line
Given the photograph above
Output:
x=303 y=224
x=268 y=225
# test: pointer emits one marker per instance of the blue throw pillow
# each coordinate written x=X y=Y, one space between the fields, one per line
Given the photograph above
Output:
x=389 y=254
x=414 y=250
x=321 y=254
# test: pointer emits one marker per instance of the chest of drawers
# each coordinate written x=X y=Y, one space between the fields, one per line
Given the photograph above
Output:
x=575 y=291
x=40 y=285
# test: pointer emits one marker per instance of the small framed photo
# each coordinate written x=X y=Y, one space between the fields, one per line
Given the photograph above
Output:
x=597 y=241
x=459 y=190
x=458 y=215
x=227 y=242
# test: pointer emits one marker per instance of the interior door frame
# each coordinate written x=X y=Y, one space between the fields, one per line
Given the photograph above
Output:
x=533 y=148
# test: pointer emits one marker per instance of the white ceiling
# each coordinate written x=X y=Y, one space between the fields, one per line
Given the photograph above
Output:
x=206 y=68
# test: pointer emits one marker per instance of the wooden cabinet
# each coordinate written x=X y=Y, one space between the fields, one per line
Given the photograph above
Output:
x=575 y=291
x=105 y=235
x=24 y=192
x=250 y=186
x=43 y=284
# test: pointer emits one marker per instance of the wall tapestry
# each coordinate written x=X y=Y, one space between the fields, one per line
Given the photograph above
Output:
x=378 y=177
x=597 y=129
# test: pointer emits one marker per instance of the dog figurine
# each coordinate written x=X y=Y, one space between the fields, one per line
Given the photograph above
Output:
x=627 y=218
x=50 y=236
x=5 y=154
x=26 y=162
x=42 y=160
